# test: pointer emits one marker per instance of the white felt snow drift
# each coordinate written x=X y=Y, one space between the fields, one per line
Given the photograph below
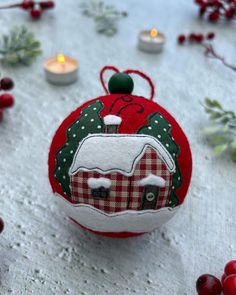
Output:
x=131 y=221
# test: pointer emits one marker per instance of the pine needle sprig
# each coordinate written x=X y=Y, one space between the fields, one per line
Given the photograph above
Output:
x=105 y=16
x=222 y=131
x=19 y=47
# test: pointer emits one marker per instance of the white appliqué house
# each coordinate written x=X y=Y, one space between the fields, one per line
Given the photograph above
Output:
x=121 y=182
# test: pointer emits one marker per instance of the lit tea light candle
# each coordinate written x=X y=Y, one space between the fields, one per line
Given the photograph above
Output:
x=151 y=41
x=61 y=70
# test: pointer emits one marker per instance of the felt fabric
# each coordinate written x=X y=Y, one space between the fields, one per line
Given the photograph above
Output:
x=86 y=123
x=154 y=180
x=126 y=221
x=138 y=116
x=98 y=182
x=159 y=127
x=112 y=120
x=131 y=123
x=123 y=150
x=125 y=192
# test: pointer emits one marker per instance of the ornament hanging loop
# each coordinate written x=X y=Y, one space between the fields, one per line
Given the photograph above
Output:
x=128 y=71
x=103 y=70
x=145 y=77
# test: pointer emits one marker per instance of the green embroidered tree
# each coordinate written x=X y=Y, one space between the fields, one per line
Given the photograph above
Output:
x=159 y=127
x=87 y=123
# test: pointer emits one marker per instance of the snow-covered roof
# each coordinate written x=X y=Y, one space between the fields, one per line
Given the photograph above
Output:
x=106 y=153
x=99 y=182
x=153 y=180
x=112 y=120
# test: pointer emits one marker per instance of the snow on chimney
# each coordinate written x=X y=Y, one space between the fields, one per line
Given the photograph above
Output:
x=112 y=123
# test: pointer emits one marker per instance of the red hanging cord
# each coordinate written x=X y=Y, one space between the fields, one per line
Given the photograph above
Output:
x=103 y=70
x=144 y=76
x=129 y=71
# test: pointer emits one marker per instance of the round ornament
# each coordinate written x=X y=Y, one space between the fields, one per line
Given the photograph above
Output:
x=120 y=164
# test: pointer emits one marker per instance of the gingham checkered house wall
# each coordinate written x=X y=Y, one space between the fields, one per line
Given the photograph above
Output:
x=125 y=192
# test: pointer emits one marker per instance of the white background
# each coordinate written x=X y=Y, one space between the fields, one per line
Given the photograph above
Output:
x=41 y=251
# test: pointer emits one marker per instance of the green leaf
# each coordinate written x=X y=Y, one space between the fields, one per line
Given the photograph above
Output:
x=233 y=155
x=105 y=16
x=19 y=47
x=219 y=149
x=218 y=139
x=215 y=115
x=233 y=143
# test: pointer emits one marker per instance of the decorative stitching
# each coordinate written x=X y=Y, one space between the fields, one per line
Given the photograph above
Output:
x=152 y=211
x=82 y=168
x=128 y=99
x=140 y=111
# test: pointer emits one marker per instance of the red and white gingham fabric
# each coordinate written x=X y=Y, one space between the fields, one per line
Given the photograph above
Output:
x=125 y=192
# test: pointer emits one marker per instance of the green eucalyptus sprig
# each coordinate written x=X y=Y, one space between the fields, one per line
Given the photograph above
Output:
x=222 y=131
x=105 y=16
x=19 y=47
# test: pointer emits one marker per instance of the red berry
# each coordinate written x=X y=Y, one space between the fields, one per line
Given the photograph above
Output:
x=1 y=225
x=1 y=115
x=6 y=100
x=223 y=278
x=47 y=4
x=208 y=285
x=214 y=16
x=229 y=285
x=27 y=4
x=192 y=37
x=210 y=36
x=229 y=13
x=36 y=13
x=6 y=83
x=230 y=268
x=181 y=39
x=199 y=2
x=199 y=38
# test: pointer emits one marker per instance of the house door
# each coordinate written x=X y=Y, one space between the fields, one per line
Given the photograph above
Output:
x=150 y=196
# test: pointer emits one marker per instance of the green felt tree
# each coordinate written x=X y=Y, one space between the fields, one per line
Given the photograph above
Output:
x=87 y=123
x=159 y=127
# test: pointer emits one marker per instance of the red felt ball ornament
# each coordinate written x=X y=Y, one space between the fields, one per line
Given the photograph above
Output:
x=120 y=163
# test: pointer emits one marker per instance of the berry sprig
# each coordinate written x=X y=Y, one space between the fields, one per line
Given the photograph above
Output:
x=204 y=41
x=35 y=8
x=6 y=99
x=1 y=225
x=217 y=9
x=210 y=285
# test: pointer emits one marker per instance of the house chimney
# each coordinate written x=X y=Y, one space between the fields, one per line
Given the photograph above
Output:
x=112 y=123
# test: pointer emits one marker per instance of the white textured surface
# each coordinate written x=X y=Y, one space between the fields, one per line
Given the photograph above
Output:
x=42 y=252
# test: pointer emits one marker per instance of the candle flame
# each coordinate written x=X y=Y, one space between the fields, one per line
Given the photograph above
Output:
x=154 y=33
x=61 y=58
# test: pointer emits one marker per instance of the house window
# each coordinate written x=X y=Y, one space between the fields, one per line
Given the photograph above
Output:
x=100 y=187
x=100 y=192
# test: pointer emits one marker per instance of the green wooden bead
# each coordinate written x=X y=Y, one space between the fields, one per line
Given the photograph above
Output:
x=121 y=83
